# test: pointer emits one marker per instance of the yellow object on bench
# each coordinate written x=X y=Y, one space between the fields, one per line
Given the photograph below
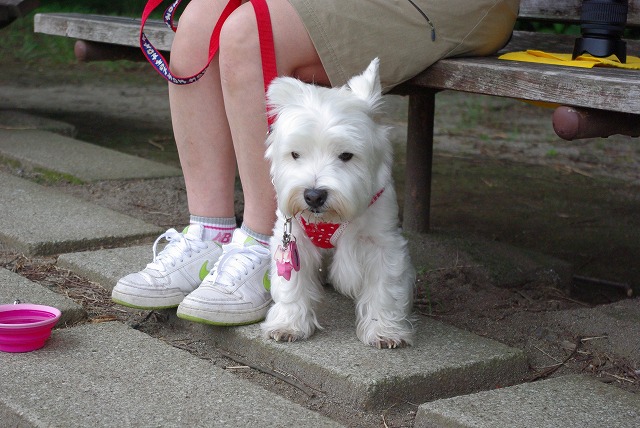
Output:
x=584 y=61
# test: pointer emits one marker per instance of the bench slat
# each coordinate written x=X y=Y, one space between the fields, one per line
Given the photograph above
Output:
x=599 y=88
x=123 y=31
x=606 y=89
x=99 y=28
x=594 y=88
x=613 y=90
x=568 y=11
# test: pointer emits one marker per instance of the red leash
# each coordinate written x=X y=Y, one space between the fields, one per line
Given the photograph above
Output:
x=265 y=35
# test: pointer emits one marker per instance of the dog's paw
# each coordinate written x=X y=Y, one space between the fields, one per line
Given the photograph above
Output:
x=391 y=343
x=285 y=336
x=289 y=322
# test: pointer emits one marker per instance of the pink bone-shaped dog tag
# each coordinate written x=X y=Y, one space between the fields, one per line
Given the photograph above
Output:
x=287 y=259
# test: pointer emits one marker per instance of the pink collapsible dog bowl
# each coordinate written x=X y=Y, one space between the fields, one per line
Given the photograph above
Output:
x=25 y=327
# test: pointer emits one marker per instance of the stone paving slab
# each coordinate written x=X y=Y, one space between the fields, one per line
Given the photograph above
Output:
x=38 y=220
x=113 y=376
x=505 y=264
x=444 y=362
x=87 y=162
x=567 y=402
x=105 y=267
x=16 y=287
x=20 y=120
x=617 y=325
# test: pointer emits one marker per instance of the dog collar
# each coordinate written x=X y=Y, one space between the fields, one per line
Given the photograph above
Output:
x=325 y=235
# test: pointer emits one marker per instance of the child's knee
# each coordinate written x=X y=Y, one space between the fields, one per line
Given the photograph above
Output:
x=239 y=44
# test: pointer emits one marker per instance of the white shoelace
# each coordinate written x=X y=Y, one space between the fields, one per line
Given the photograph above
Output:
x=236 y=261
x=179 y=246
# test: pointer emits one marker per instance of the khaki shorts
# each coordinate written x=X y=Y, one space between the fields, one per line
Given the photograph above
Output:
x=407 y=35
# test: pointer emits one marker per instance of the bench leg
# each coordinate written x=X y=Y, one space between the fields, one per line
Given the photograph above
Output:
x=417 y=190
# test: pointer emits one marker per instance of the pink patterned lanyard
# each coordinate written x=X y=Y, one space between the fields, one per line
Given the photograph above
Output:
x=265 y=34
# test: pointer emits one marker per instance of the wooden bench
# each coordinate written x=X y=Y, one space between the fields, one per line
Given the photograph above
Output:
x=604 y=101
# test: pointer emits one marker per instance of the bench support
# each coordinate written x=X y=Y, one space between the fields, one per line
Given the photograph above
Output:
x=572 y=123
x=419 y=159
x=86 y=51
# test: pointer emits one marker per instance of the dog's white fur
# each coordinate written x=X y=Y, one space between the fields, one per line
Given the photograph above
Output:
x=370 y=262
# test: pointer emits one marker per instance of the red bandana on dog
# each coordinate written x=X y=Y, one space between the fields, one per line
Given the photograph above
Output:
x=325 y=235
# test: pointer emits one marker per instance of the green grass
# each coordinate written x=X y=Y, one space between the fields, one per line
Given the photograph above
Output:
x=47 y=176
x=40 y=175
x=109 y=7
x=11 y=163
x=552 y=153
x=37 y=52
x=21 y=44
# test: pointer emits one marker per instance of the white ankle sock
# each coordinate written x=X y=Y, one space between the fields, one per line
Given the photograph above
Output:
x=219 y=229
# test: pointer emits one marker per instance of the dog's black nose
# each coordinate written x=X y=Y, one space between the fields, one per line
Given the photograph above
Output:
x=315 y=198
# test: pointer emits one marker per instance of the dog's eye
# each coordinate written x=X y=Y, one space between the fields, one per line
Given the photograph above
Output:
x=295 y=155
x=345 y=157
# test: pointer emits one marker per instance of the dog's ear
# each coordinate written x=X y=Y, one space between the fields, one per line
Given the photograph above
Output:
x=283 y=91
x=367 y=85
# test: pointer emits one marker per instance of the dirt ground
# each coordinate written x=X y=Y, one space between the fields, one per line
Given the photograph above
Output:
x=500 y=176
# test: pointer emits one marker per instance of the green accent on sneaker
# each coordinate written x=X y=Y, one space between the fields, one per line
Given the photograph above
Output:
x=148 y=308
x=266 y=281
x=204 y=271
x=209 y=322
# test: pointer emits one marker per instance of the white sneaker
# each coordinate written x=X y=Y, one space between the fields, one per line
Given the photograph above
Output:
x=236 y=291
x=174 y=272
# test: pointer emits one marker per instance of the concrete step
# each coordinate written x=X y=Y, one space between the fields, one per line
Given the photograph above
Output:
x=105 y=267
x=617 y=326
x=114 y=376
x=38 y=220
x=568 y=402
x=18 y=120
x=16 y=287
x=444 y=361
x=84 y=161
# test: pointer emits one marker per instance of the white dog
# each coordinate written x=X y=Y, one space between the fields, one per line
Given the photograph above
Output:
x=331 y=166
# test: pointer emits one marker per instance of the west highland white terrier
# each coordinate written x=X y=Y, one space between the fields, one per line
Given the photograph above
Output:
x=331 y=162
